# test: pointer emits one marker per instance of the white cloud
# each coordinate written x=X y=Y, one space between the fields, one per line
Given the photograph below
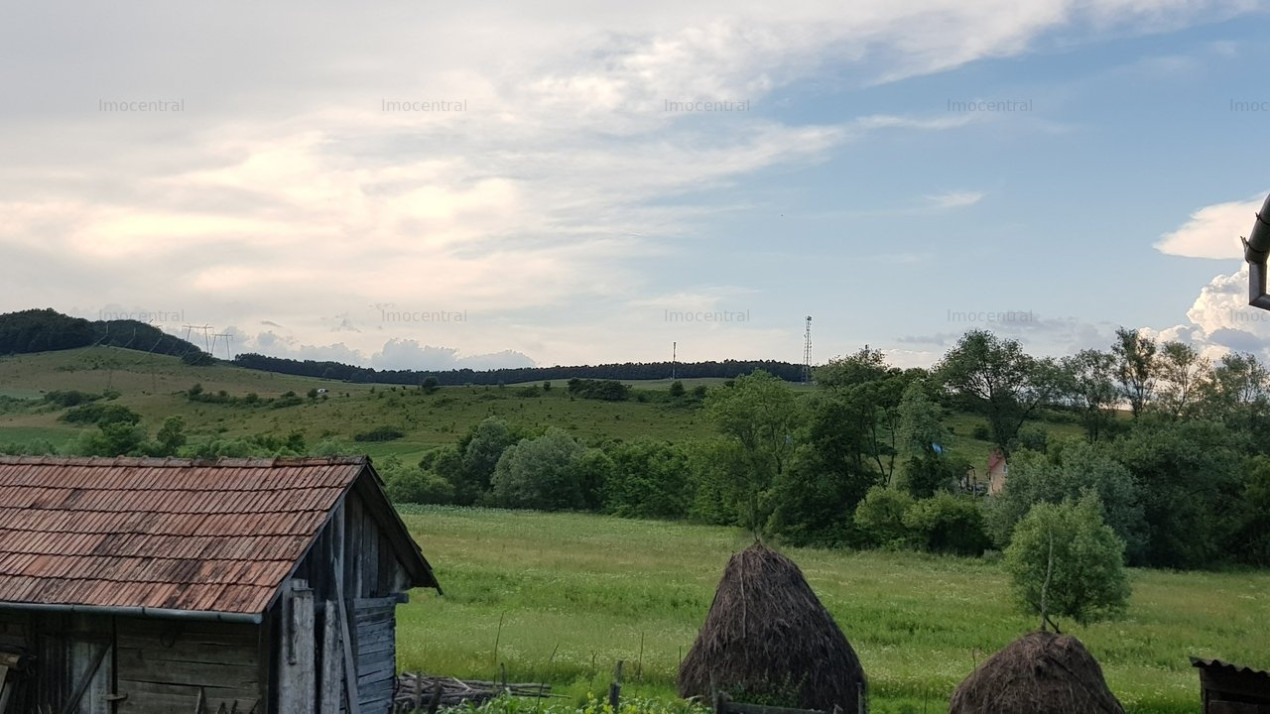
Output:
x=284 y=194
x=1212 y=231
x=956 y=199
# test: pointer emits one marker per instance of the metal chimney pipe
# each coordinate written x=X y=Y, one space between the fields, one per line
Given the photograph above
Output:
x=1256 y=251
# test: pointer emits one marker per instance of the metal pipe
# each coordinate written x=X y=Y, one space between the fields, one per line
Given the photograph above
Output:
x=1256 y=251
x=238 y=617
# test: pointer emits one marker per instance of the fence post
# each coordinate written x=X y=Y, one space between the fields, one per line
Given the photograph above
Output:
x=615 y=689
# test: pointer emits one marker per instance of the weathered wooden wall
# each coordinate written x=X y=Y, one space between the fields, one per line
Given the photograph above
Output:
x=142 y=665
x=163 y=665
x=352 y=566
x=376 y=652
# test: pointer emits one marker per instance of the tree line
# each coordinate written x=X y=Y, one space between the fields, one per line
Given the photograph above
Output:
x=1171 y=454
x=47 y=330
x=627 y=371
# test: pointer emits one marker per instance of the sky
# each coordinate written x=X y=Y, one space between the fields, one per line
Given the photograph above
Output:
x=411 y=185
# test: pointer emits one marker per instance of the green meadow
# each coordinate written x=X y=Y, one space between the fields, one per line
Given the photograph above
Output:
x=576 y=593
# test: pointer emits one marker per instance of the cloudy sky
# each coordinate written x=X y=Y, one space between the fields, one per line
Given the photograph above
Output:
x=408 y=184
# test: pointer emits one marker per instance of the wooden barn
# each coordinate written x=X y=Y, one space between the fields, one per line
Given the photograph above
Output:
x=165 y=585
x=1230 y=689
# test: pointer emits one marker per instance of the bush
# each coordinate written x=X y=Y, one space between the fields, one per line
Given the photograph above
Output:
x=1088 y=580
x=647 y=480
x=197 y=358
x=881 y=516
x=947 y=524
x=101 y=414
x=605 y=389
x=540 y=473
x=1068 y=471
x=70 y=398
x=380 y=433
x=930 y=473
x=981 y=432
x=412 y=484
x=1032 y=438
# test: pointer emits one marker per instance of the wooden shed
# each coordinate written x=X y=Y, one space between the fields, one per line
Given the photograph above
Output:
x=1230 y=689
x=166 y=585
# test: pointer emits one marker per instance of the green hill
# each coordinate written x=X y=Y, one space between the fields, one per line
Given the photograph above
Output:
x=155 y=386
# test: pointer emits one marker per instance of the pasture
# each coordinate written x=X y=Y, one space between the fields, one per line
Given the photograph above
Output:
x=576 y=593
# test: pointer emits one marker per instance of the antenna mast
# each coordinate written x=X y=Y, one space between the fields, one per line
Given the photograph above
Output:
x=807 y=353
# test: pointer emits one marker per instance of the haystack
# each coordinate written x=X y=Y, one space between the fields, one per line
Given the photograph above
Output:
x=767 y=638
x=1039 y=673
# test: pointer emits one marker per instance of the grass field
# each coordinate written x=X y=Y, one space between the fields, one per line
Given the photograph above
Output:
x=593 y=590
x=153 y=386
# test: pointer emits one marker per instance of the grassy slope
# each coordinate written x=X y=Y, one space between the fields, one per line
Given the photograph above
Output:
x=589 y=587
x=151 y=385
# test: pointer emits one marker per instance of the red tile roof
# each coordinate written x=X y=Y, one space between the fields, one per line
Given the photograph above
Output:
x=170 y=534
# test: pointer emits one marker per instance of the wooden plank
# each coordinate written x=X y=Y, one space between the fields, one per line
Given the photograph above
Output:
x=297 y=674
x=90 y=674
x=332 y=686
x=347 y=644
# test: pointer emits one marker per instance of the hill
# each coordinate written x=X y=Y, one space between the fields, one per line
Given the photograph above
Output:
x=156 y=387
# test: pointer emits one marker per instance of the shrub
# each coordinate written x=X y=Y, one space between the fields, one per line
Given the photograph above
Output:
x=947 y=524
x=540 y=473
x=1069 y=470
x=100 y=414
x=197 y=358
x=881 y=516
x=647 y=480
x=70 y=398
x=1069 y=546
x=380 y=433
x=605 y=389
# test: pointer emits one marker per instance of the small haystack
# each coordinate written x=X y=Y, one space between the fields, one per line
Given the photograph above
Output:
x=767 y=637
x=1039 y=673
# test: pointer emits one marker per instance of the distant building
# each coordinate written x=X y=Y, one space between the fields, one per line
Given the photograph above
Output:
x=167 y=585
x=998 y=470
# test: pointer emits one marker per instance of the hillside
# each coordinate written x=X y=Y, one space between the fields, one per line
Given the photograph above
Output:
x=155 y=387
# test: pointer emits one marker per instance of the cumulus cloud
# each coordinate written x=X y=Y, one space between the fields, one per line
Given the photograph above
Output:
x=285 y=191
x=1212 y=231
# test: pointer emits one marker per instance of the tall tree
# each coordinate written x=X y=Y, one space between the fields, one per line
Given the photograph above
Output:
x=1136 y=363
x=760 y=415
x=1183 y=373
x=865 y=392
x=995 y=376
x=1089 y=385
x=1239 y=392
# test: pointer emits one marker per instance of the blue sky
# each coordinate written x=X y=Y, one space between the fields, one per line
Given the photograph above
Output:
x=560 y=214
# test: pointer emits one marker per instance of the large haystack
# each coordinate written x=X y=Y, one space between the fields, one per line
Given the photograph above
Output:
x=767 y=638
x=1039 y=673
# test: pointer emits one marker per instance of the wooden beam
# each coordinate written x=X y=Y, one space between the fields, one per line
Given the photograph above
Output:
x=332 y=686
x=78 y=694
x=350 y=666
x=297 y=676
